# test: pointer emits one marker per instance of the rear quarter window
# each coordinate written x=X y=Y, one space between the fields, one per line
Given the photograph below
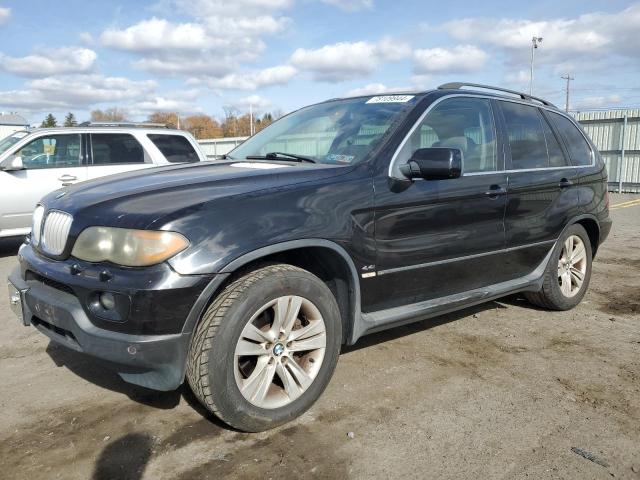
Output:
x=175 y=148
x=579 y=150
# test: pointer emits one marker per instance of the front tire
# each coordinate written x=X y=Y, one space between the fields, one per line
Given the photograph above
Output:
x=567 y=276
x=266 y=348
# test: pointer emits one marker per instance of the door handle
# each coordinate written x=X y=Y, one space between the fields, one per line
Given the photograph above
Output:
x=495 y=191
x=67 y=179
x=565 y=182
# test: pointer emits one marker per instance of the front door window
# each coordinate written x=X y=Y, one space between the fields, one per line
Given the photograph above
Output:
x=53 y=151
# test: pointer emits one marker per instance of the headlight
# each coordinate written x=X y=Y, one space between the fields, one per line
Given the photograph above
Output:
x=131 y=248
x=36 y=224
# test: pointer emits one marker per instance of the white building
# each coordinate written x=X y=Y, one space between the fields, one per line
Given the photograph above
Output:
x=10 y=122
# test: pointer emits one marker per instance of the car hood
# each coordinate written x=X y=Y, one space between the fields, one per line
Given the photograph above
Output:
x=141 y=199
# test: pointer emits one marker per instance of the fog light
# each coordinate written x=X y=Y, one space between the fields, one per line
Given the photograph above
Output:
x=107 y=300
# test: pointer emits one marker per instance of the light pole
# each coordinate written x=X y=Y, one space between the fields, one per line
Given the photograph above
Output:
x=535 y=41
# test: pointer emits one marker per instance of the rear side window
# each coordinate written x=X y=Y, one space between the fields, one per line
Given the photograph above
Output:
x=116 y=148
x=175 y=148
x=579 y=149
x=554 y=150
x=526 y=138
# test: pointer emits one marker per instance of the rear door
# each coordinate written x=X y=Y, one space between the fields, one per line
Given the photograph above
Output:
x=542 y=195
x=441 y=237
x=50 y=162
x=115 y=153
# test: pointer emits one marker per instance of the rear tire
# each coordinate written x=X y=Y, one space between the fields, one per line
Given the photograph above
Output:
x=567 y=276
x=266 y=348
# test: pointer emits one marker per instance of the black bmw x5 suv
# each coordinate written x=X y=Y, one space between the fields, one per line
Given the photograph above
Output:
x=343 y=218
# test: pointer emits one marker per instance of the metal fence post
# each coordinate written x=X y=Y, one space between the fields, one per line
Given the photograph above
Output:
x=622 y=144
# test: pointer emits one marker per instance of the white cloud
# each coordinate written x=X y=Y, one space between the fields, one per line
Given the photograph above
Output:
x=156 y=34
x=462 y=58
x=278 y=75
x=347 y=60
x=597 y=102
x=76 y=92
x=5 y=13
x=176 y=65
x=578 y=39
x=87 y=39
x=207 y=8
x=351 y=5
x=163 y=104
x=521 y=76
x=256 y=102
x=57 y=61
x=374 y=88
x=218 y=40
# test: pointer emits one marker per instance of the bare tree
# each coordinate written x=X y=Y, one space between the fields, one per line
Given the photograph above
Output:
x=230 y=125
x=167 y=118
x=113 y=114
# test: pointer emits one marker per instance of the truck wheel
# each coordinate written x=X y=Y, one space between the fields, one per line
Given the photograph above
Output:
x=566 y=281
x=266 y=348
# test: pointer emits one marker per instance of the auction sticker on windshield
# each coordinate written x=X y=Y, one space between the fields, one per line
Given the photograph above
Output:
x=390 y=99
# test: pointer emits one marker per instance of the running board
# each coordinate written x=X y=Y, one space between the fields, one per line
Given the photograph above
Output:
x=393 y=317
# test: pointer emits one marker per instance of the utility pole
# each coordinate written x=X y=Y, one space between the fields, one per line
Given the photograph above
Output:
x=250 y=119
x=568 y=78
x=535 y=42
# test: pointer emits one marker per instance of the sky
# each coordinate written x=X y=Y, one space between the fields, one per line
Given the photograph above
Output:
x=202 y=56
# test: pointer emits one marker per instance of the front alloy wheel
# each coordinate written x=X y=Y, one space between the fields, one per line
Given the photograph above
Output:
x=266 y=347
x=280 y=351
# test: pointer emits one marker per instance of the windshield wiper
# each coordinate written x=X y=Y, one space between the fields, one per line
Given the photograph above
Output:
x=276 y=155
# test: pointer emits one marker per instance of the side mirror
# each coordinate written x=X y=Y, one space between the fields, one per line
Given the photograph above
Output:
x=12 y=163
x=434 y=164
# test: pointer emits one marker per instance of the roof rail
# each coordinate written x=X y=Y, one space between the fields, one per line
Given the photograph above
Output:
x=124 y=124
x=524 y=96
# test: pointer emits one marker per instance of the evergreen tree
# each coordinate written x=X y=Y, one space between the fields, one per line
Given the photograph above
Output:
x=49 y=121
x=70 y=120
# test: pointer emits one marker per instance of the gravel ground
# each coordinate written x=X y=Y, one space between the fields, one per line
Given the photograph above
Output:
x=503 y=390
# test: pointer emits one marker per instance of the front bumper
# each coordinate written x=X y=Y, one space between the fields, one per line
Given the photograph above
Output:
x=57 y=309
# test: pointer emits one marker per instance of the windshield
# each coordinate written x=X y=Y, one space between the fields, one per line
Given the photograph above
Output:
x=339 y=132
x=12 y=139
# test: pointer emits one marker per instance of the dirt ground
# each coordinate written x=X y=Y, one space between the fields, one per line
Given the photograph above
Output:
x=503 y=390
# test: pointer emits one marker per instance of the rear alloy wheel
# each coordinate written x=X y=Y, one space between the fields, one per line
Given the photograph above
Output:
x=565 y=282
x=572 y=266
x=266 y=347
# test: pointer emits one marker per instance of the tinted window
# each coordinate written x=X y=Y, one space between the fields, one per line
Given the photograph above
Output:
x=554 y=150
x=175 y=148
x=463 y=123
x=54 y=151
x=526 y=139
x=12 y=139
x=579 y=149
x=115 y=148
x=337 y=132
